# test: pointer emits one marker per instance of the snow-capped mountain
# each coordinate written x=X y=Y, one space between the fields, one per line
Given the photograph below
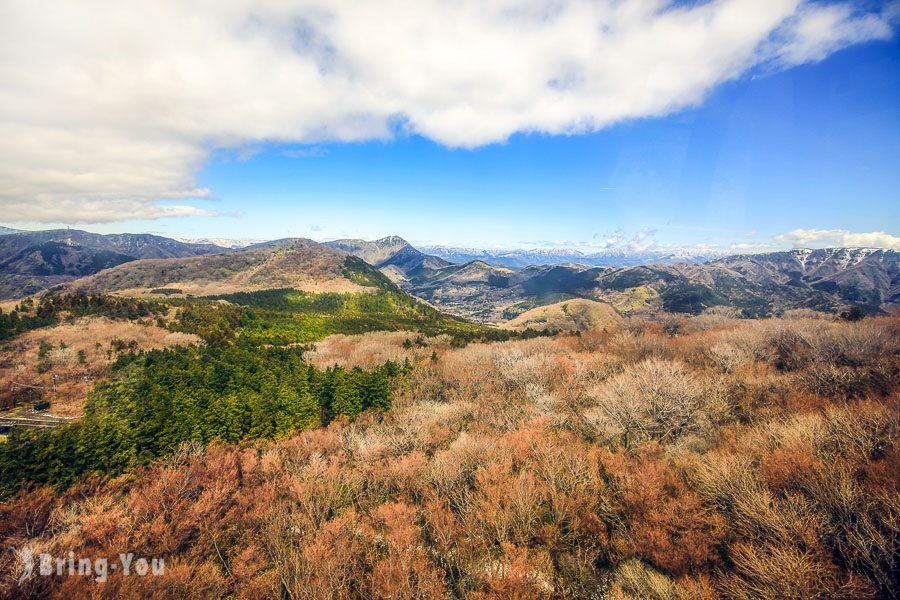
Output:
x=609 y=257
x=222 y=242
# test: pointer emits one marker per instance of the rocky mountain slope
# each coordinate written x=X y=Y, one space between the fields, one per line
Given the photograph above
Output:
x=394 y=256
x=34 y=260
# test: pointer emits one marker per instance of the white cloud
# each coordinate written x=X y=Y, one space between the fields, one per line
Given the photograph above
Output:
x=818 y=30
x=107 y=107
x=95 y=210
x=823 y=238
x=749 y=248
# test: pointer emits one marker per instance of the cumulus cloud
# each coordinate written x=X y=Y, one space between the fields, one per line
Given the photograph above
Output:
x=822 y=238
x=96 y=210
x=118 y=105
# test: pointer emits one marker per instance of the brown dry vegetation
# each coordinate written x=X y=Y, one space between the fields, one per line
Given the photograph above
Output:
x=733 y=460
x=373 y=349
x=62 y=370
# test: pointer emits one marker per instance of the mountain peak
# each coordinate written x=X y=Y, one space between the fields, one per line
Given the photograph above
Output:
x=392 y=240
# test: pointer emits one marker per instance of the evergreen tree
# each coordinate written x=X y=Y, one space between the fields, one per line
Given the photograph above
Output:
x=347 y=401
x=309 y=412
x=288 y=409
x=262 y=422
x=233 y=419
x=376 y=391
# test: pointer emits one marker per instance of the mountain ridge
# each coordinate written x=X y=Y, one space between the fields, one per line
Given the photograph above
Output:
x=391 y=251
x=758 y=284
x=31 y=261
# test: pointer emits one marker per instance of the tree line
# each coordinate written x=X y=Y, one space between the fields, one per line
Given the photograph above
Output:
x=159 y=399
x=48 y=311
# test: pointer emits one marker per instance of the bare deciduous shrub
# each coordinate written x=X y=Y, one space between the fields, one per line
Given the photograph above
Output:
x=663 y=522
x=403 y=570
x=853 y=345
x=862 y=527
x=658 y=400
x=517 y=573
x=862 y=433
x=637 y=346
x=635 y=580
x=727 y=357
x=779 y=572
x=832 y=381
x=790 y=348
x=805 y=314
x=714 y=317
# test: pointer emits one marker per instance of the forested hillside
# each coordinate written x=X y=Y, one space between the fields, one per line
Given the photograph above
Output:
x=247 y=381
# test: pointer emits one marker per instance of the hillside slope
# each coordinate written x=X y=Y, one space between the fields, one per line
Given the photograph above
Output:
x=297 y=263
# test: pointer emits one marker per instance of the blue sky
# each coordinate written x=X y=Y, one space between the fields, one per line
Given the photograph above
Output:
x=796 y=143
x=814 y=147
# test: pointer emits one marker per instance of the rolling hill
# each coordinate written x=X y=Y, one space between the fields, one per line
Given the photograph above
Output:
x=577 y=314
x=299 y=264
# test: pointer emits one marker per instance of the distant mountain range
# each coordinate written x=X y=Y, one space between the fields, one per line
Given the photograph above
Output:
x=221 y=242
x=31 y=261
x=612 y=257
x=756 y=284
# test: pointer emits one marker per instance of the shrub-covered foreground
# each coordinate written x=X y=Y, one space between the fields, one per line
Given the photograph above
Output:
x=734 y=460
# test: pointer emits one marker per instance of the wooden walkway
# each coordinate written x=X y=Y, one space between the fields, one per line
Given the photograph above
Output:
x=32 y=421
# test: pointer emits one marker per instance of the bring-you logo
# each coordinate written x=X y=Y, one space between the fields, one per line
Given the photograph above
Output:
x=97 y=568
